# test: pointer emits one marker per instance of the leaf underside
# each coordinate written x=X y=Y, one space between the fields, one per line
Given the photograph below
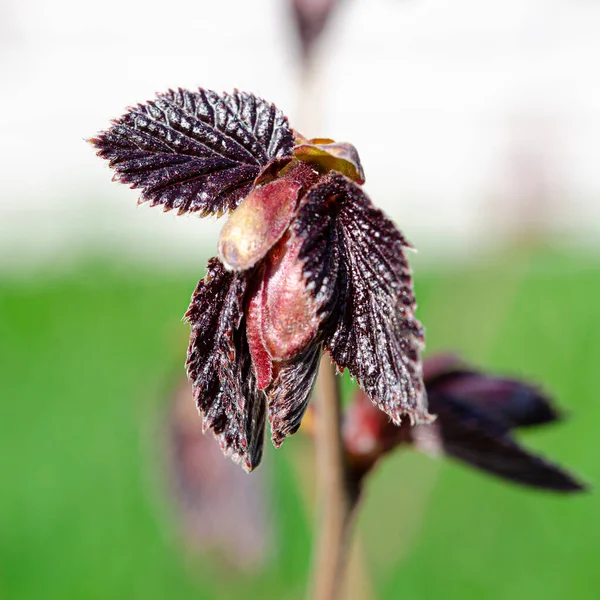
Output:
x=195 y=151
x=220 y=369
x=356 y=266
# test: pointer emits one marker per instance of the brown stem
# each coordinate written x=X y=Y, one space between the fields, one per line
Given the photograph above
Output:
x=338 y=495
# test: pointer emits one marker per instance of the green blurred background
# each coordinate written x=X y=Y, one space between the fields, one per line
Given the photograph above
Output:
x=477 y=125
x=88 y=359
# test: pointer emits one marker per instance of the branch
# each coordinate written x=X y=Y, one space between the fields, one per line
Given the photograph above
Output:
x=338 y=495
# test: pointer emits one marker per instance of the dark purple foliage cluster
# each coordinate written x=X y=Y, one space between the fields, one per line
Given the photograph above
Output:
x=306 y=263
x=477 y=415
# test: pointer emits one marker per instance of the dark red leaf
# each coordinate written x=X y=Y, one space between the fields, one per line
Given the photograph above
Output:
x=289 y=394
x=195 y=151
x=476 y=413
x=355 y=264
x=516 y=402
x=468 y=428
x=220 y=368
x=473 y=436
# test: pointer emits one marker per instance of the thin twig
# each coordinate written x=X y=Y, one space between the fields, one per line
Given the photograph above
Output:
x=338 y=495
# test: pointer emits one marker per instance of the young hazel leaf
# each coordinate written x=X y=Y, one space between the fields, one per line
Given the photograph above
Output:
x=482 y=440
x=289 y=394
x=219 y=366
x=371 y=328
x=195 y=151
x=516 y=402
x=475 y=420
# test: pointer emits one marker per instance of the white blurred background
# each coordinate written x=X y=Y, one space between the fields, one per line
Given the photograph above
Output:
x=475 y=120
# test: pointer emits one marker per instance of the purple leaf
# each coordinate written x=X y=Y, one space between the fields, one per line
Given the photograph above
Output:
x=476 y=413
x=354 y=261
x=516 y=402
x=220 y=368
x=469 y=427
x=195 y=151
x=473 y=436
x=289 y=394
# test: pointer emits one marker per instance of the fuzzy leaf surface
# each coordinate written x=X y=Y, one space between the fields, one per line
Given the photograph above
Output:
x=220 y=369
x=289 y=394
x=195 y=151
x=356 y=267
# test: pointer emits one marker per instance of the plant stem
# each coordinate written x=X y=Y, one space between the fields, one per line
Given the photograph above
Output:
x=338 y=495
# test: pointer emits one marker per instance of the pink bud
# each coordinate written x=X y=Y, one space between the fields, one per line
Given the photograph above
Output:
x=289 y=312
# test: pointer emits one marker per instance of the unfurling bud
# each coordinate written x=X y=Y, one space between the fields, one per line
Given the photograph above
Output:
x=306 y=262
x=282 y=317
x=331 y=156
x=476 y=413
